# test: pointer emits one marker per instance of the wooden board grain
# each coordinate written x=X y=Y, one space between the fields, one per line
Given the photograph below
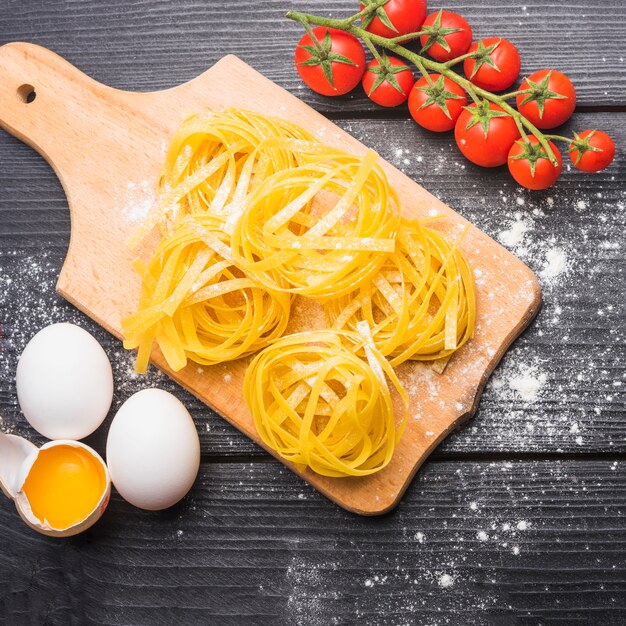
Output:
x=105 y=143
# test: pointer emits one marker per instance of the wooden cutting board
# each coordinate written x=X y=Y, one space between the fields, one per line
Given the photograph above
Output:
x=107 y=148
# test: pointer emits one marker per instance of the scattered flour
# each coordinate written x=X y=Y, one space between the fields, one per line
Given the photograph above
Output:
x=305 y=602
x=139 y=200
x=555 y=264
x=528 y=384
x=514 y=235
x=445 y=581
x=519 y=380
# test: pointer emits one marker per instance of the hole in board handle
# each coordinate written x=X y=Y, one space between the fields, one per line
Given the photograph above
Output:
x=26 y=93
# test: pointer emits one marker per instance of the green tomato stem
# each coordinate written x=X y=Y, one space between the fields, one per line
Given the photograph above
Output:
x=394 y=41
x=472 y=93
x=314 y=39
x=424 y=64
x=369 y=8
x=521 y=130
x=514 y=94
x=425 y=74
x=459 y=59
x=559 y=138
x=374 y=52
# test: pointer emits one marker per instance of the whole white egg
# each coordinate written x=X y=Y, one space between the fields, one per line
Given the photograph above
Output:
x=64 y=382
x=153 y=450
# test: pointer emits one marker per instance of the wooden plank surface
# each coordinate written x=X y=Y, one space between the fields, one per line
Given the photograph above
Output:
x=256 y=544
x=472 y=543
x=147 y=45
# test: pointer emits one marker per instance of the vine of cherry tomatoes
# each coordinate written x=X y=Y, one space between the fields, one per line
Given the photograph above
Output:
x=332 y=62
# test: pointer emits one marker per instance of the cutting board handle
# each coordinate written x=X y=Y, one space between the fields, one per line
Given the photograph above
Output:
x=38 y=92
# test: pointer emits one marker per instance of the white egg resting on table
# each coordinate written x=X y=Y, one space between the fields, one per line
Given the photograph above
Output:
x=153 y=450
x=64 y=382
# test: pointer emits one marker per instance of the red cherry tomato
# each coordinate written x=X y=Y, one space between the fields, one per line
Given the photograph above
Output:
x=388 y=84
x=551 y=99
x=485 y=134
x=440 y=43
x=334 y=70
x=592 y=150
x=428 y=104
x=397 y=17
x=497 y=67
x=530 y=166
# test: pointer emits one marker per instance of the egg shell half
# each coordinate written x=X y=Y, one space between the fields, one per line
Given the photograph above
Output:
x=64 y=382
x=18 y=457
x=153 y=450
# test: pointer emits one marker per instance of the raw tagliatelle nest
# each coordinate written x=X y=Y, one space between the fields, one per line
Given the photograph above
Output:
x=420 y=305
x=324 y=227
x=198 y=304
x=319 y=405
x=253 y=210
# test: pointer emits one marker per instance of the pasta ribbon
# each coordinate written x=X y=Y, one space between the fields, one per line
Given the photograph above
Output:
x=420 y=305
x=197 y=304
x=214 y=160
x=324 y=227
x=318 y=405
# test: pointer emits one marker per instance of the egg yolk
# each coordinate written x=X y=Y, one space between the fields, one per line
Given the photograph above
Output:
x=64 y=485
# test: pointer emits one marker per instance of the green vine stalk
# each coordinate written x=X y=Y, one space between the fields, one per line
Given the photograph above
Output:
x=424 y=65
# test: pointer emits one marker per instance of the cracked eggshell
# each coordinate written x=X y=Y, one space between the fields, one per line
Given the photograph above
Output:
x=17 y=456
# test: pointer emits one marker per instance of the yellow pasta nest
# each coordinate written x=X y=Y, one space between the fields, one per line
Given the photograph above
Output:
x=318 y=405
x=197 y=304
x=324 y=227
x=213 y=161
x=420 y=305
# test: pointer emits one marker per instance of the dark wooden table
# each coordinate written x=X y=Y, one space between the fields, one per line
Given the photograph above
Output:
x=519 y=518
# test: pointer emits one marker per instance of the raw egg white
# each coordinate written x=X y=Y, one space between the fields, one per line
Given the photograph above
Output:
x=153 y=450
x=64 y=382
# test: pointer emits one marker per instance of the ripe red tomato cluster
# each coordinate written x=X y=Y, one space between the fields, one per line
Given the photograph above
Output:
x=485 y=132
